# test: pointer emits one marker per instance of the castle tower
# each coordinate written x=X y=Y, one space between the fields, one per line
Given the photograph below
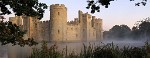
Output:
x=58 y=22
x=97 y=24
x=85 y=23
x=100 y=29
x=88 y=24
x=80 y=16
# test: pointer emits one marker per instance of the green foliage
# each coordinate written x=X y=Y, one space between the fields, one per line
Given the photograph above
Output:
x=107 y=51
x=94 y=5
x=23 y=7
x=11 y=33
x=142 y=29
x=46 y=52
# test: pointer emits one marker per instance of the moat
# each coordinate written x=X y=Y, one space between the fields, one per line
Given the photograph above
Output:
x=23 y=52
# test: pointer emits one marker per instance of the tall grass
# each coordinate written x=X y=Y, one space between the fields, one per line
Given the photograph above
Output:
x=46 y=52
x=91 y=51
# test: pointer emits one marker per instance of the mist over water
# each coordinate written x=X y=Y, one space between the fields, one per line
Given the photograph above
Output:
x=3 y=51
x=17 y=51
x=126 y=42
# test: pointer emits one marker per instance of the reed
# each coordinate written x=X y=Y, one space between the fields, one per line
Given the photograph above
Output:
x=91 y=51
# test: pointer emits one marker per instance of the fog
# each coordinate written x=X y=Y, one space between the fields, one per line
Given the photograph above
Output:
x=22 y=52
x=3 y=51
x=126 y=42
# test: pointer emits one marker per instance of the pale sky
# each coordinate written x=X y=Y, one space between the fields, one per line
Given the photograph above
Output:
x=118 y=12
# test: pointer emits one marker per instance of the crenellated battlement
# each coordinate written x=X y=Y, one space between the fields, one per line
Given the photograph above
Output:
x=58 y=6
x=47 y=21
x=93 y=17
x=73 y=22
x=98 y=20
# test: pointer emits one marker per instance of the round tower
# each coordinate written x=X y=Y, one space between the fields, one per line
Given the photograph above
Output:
x=58 y=22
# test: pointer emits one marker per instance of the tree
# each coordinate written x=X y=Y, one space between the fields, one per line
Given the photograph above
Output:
x=135 y=33
x=114 y=31
x=94 y=5
x=142 y=30
x=106 y=34
x=11 y=33
x=119 y=31
x=22 y=7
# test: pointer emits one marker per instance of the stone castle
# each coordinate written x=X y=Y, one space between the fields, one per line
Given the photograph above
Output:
x=83 y=28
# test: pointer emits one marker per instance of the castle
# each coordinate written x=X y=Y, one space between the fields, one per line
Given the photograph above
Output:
x=83 y=28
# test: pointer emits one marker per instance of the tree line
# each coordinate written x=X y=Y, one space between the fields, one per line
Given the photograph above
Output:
x=140 y=31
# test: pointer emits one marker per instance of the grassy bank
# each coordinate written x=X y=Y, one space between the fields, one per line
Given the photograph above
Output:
x=103 y=51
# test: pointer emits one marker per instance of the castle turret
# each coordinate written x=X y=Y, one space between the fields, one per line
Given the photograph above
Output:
x=58 y=22
x=80 y=16
x=85 y=23
x=98 y=27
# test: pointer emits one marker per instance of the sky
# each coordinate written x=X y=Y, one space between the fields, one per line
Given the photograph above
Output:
x=119 y=12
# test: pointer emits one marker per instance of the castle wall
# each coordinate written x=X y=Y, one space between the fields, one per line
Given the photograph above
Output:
x=83 y=28
x=13 y=20
x=30 y=24
x=16 y=20
x=91 y=35
x=44 y=30
x=73 y=33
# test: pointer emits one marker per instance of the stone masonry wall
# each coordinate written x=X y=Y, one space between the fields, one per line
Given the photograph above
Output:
x=84 y=28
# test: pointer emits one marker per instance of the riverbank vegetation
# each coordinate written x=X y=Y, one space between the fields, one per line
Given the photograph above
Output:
x=91 y=51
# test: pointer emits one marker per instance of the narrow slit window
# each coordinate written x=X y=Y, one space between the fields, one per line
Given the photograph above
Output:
x=71 y=28
x=58 y=13
x=76 y=35
x=93 y=33
x=58 y=31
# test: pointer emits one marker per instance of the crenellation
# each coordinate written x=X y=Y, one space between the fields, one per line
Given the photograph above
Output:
x=76 y=19
x=98 y=20
x=63 y=5
x=93 y=17
x=74 y=22
x=57 y=6
x=85 y=27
